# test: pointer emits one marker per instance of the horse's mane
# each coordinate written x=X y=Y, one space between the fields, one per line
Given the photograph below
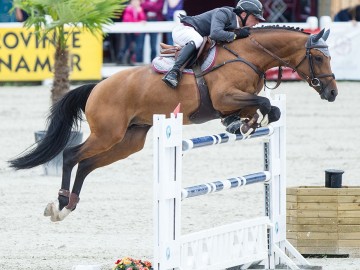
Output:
x=278 y=27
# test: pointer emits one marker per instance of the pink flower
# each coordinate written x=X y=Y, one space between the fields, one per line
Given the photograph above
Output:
x=128 y=263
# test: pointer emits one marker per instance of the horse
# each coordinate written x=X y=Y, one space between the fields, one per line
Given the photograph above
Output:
x=120 y=109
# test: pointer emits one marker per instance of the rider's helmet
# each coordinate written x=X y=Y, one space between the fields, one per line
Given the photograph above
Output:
x=253 y=7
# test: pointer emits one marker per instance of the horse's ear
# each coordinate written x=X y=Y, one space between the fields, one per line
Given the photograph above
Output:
x=318 y=36
x=326 y=35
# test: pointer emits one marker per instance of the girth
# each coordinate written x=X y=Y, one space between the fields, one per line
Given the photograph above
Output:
x=206 y=111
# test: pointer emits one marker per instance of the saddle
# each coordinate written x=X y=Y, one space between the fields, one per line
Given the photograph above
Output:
x=167 y=50
x=196 y=65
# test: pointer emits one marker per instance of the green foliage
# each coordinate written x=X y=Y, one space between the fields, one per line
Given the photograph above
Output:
x=52 y=15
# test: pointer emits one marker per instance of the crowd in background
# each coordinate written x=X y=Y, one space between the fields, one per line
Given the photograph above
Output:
x=124 y=49
x=348 y=14
x=128 y=49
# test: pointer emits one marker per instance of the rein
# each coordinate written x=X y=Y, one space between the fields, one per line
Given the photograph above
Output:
x=314 y=80
x=237 y=59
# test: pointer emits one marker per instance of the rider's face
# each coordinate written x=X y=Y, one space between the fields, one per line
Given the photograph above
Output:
x=251 y=20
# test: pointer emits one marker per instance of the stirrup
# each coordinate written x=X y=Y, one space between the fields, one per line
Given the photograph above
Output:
x=171 y=82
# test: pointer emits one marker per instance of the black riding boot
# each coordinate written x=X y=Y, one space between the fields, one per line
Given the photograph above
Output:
x=173 y=76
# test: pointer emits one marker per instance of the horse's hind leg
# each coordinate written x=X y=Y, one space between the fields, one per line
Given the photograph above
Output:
x=73 y=155
x=69 y=163
x=132 y=142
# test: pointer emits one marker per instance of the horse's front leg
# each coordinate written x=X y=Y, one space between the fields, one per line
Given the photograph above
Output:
x=259 y=117
x=255 y=111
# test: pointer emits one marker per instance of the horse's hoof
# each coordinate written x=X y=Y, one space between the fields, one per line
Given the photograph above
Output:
x=52 y=211
x=60 y=215
x=228 y=120
x=64 y=213
x=234 y=127
x=274 y=114
x=48 y=210
x=55 y=218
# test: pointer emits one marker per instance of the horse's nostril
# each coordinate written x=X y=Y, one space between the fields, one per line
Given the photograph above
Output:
x=333 y=92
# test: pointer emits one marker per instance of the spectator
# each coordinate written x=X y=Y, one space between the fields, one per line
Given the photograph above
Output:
x=153 y=10
x=20 y=15
x=170 y=6
x=134 y=42
x=113 y=42
x=5 y=7
x=348 y=14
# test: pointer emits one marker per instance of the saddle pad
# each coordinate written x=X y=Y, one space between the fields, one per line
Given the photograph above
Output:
x=163 y=64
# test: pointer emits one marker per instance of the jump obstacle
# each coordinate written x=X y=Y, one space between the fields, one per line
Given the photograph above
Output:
x=260 y=241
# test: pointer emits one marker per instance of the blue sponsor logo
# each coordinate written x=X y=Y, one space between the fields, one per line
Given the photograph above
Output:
x=168 y=132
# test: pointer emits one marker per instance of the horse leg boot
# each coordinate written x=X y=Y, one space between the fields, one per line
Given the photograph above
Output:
x=259 y=119
x=173 y=76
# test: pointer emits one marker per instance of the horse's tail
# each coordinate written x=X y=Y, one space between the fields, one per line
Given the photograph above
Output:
x=64 y=114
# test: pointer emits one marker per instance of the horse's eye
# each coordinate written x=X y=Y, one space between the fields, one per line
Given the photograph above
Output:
x=318 y=59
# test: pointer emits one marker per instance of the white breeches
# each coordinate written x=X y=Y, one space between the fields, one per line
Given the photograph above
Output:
x=183 y=34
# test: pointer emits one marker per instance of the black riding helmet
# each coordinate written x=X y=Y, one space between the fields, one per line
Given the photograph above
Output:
x=253 y=7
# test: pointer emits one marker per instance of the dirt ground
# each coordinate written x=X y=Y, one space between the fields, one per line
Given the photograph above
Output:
x=114 y=216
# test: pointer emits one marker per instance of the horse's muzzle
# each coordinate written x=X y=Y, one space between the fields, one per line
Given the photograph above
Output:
x=329 y=95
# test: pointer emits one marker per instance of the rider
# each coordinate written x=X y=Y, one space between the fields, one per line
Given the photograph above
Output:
x=220 y=24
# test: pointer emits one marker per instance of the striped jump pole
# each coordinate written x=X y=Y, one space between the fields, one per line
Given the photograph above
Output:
x=221 y=185
x=223 y=138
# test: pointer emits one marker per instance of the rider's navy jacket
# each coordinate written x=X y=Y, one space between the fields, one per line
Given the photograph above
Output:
x=214 y=23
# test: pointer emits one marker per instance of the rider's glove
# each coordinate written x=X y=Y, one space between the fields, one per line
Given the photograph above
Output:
x=241 y=33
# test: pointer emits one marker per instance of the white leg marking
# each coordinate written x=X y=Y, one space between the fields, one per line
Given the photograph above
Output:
x=52 y=211
x=265 y=121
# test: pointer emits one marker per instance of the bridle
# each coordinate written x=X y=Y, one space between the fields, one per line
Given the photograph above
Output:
x=313 y=79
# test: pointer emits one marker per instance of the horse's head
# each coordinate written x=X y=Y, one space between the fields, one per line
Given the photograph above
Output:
x=315 y=66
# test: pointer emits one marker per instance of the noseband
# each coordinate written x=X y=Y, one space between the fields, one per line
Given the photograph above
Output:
x=313 y=79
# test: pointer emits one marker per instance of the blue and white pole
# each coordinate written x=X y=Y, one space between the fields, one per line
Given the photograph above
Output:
x=224 y=138
x=221 y=185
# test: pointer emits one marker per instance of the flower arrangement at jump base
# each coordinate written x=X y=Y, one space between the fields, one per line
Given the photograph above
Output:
x=128 y=263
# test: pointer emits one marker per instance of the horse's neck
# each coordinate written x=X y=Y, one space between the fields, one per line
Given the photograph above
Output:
x=286 y=45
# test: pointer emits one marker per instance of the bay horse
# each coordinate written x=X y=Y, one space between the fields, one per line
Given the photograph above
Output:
x=119 y=109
